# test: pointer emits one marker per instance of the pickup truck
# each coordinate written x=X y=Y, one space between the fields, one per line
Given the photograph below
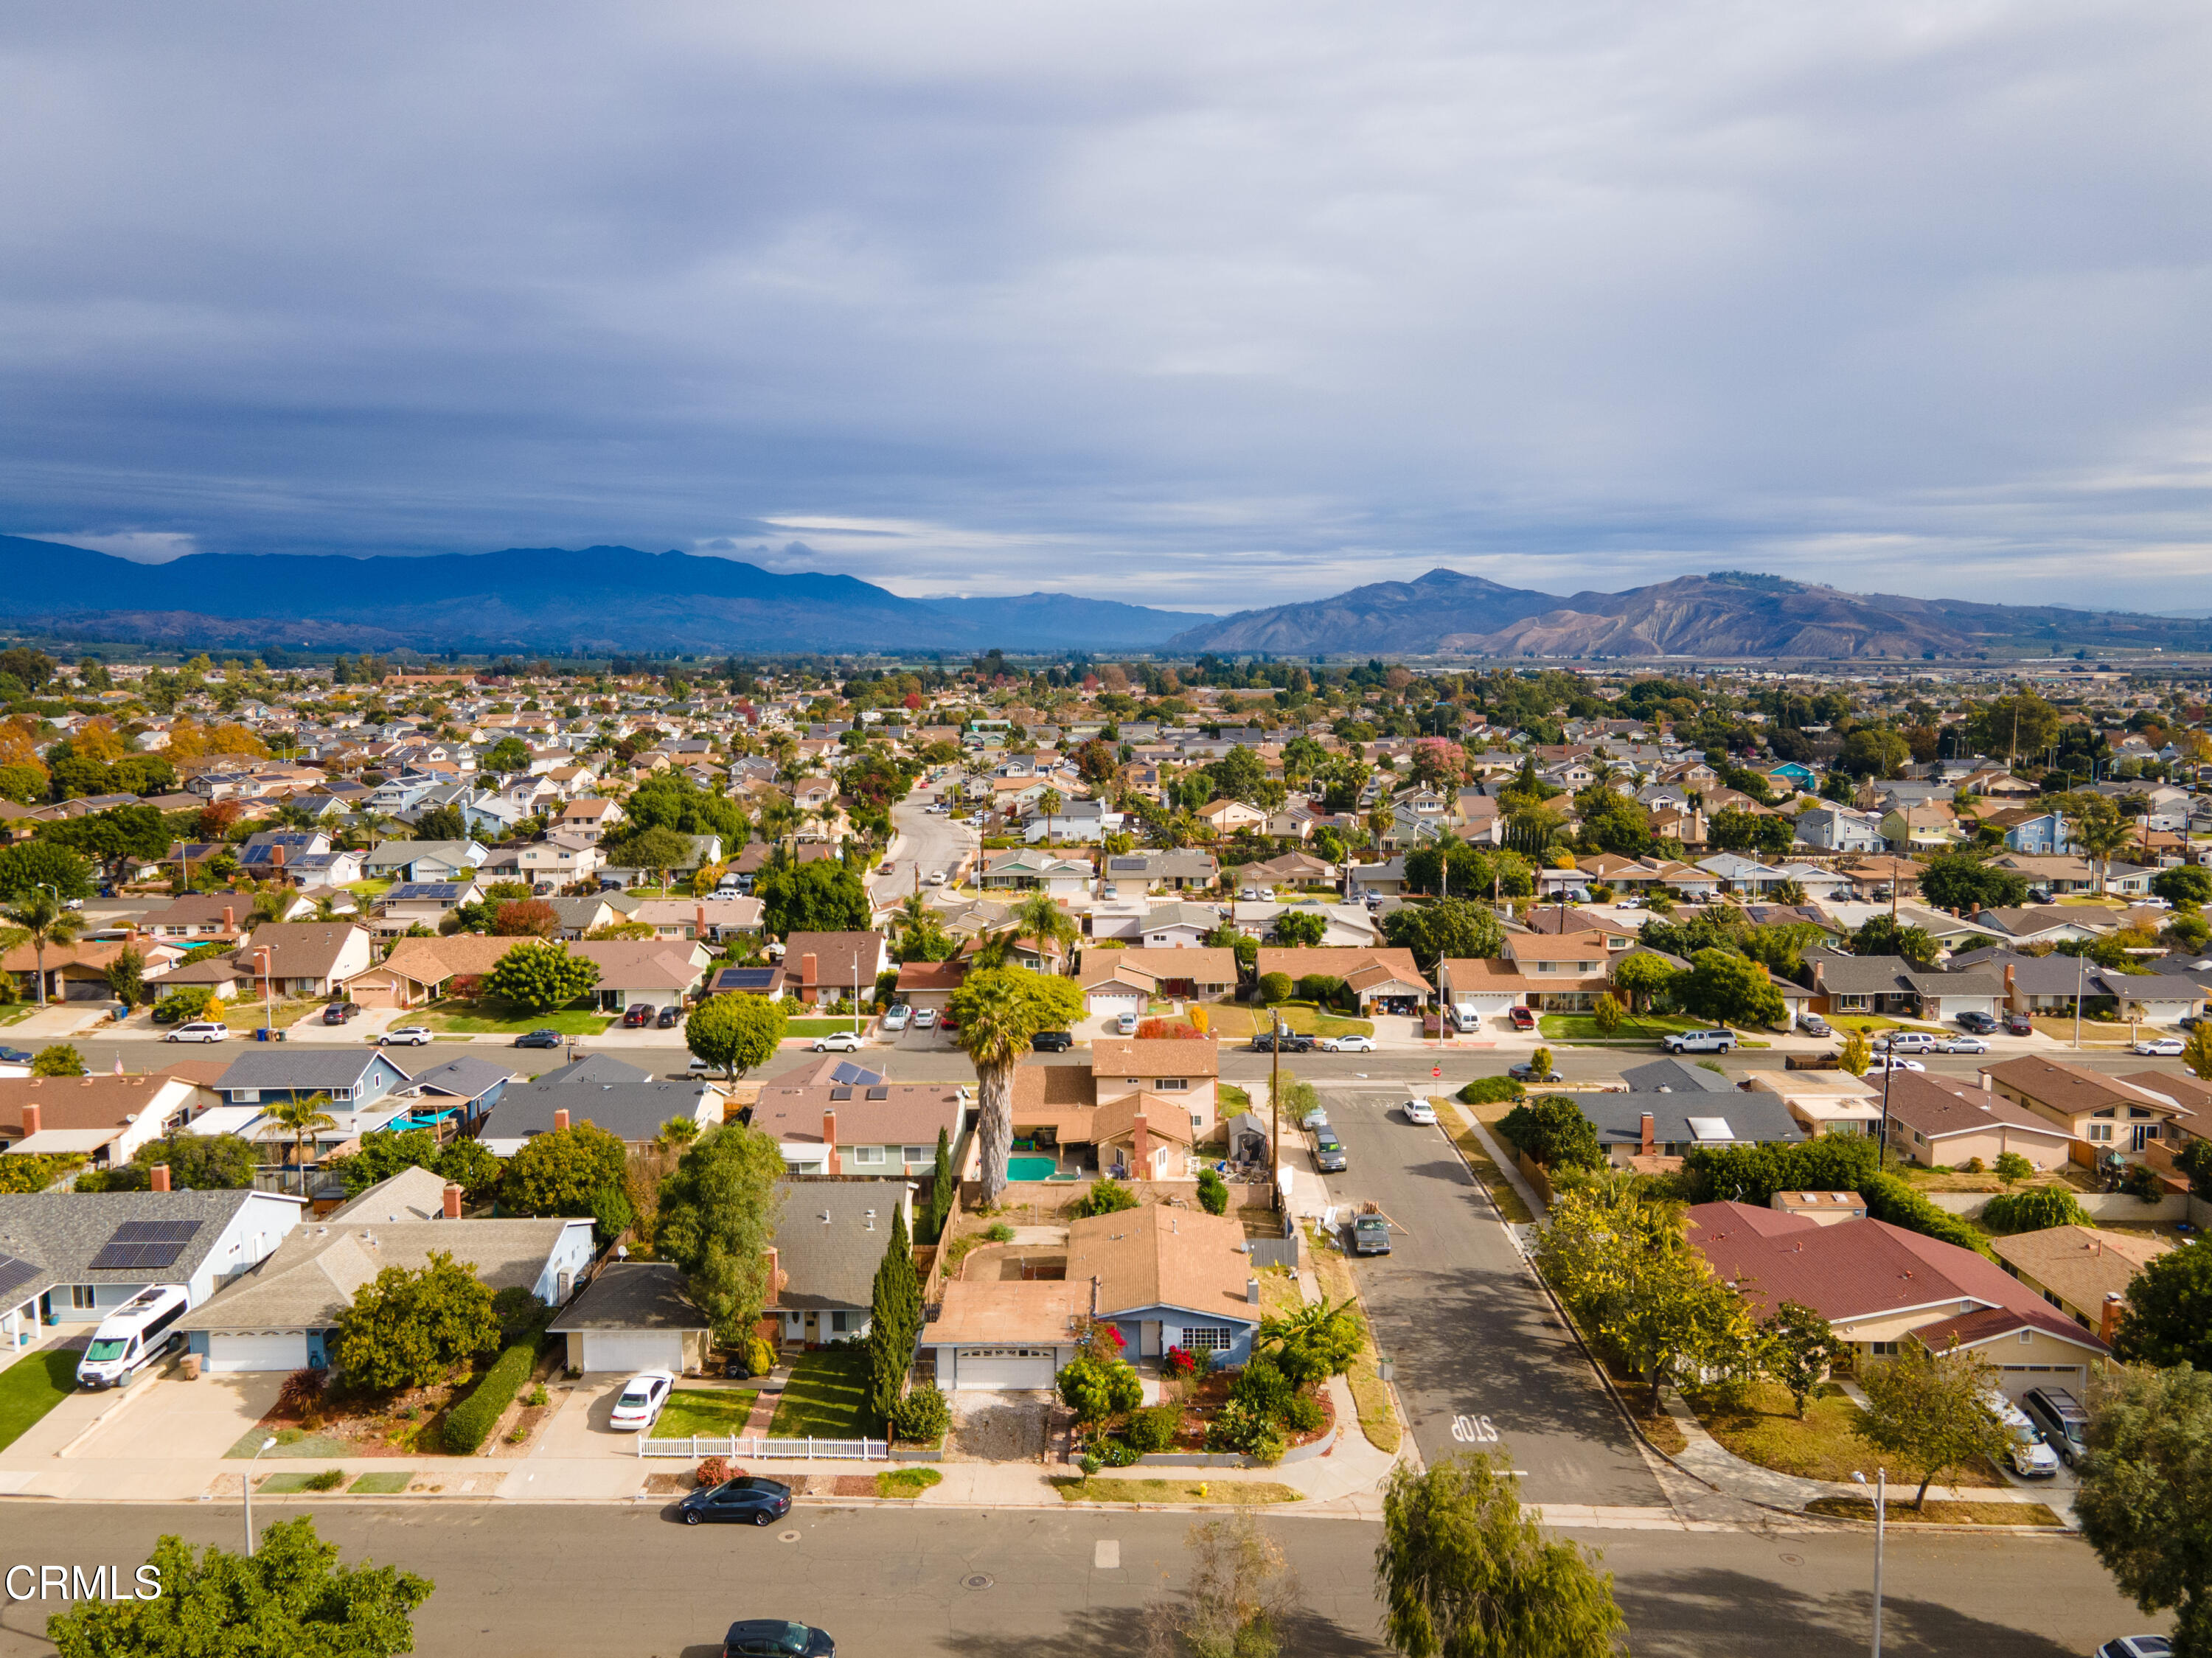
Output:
x=1701 y=1041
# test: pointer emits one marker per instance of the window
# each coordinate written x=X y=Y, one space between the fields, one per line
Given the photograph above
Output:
x=245 y=1096
x=1170 y=1085
x=562 y=1284
x=1197 y=1123
x=1204 y=1339
x=867 y=1154
x=2099 y=1130
x=838 y=1322
x=1881 y=1349
x=2027 y=1336
x=81 y=1297
x=918 y=1154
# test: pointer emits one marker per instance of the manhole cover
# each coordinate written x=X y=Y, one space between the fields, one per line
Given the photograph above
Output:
x=1793 y=1559
x=786 y=1537
x=979 y=1581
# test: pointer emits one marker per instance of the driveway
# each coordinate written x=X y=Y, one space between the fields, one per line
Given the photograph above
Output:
x=176 y=1420
x=1481 y=1358
x=998 y=1427
x=579 y=1427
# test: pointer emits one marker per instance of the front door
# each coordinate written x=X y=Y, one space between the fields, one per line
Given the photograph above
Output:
x=2145 y=1133
x=1148 y=1339
x=813 y=1329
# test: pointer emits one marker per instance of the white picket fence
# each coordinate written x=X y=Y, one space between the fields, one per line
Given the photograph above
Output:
x=759 y=1448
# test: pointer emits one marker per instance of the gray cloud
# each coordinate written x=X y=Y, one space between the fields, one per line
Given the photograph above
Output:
x=1213 y=307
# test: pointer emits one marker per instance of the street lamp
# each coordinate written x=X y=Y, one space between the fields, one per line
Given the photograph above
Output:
x=1880 y=1526
x=267 y=1444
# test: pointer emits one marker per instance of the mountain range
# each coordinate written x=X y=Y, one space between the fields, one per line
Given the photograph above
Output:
x=598 y=600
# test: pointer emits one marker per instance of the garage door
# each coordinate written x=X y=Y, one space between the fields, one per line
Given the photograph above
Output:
x=258 y=1351
x=2014 y=1380
x=633 y=1350
x=1006 y=1367
x=1112 y=1006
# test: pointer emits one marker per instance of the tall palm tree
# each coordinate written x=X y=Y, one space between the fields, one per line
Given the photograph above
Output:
x=299 y=1118
x=2100 y=832
x=41 y=919
x=1039 y=918
x=997 y=1016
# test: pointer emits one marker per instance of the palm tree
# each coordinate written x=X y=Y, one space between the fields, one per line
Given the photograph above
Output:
x=269 y=905
x=41 y=919
x=1038 y=917
x=997 y=1021
x=2100 y=832
x=299 y=1118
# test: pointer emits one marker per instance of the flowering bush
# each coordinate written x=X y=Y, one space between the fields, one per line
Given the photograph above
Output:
x=1179 y=1362
x=713 y=1471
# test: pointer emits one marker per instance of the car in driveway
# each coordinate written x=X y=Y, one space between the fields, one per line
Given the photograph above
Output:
x=339 y=1012
x=1125 y=1025
x=924 y=1018
x=638 y=1015
x=896 y=1017
x=1371 y=1236
x=838 y=1042
x=406 y=1035
x=1961 y=1045
x=748 y=1498
x=2019 y=1025
x=1347 y=1044
x=539 y=1039
x=2064 y=1424
x=1328 y=1151
x=1812 y=1024
x=2163 y=1047
x=670 y=1016
x=769 y=1637
x=640 y=1403
x=2030 y=1458
x=1421 y=1113
x=1249 y=895
x=199 y=1030
x=1052 y=1041
x=1980 y=1024
x=1524 y=1019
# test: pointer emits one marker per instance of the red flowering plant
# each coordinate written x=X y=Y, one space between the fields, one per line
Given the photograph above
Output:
x=1179 y=1362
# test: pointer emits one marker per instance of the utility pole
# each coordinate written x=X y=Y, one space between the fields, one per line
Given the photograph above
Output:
x=1881 y=1529
x=2080 y=975
x=1275 y=1108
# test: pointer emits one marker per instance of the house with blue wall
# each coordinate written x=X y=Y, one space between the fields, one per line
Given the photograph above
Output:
x=1170 y=1277
x=352 y=1077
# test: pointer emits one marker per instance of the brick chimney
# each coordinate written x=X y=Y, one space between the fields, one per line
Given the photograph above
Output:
x=560 y=1120
x=229 y=918
x=829 y=1135
x=277 y=854
x=699 y=921
x=1819 y=972
x=452 y=1201
x=806 y=968
x=1647 y=1134
x=33 y=1117
x=1140 y=1145
x=158 y=1177
x=774 y=1278
x=2115 y=1304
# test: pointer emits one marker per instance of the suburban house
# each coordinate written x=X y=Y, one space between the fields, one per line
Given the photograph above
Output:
x=634 y=1315
x=1824 y=1102
x=197 y=917
x=720 y=919
x=74 y=972
x=1030 y=870
x=627 y=1103
x=352 y=1078
x=304 y=959
x=1935 y=1120
x=1383 y=980
x=1074 y=820
x=284 y=1315
x=590 y=820
x=424 y=860
x=1674 y=1107
x=1116 y=982
x=1170 y=926
x=1879 y=1285
x=420 y=970
x=1892 y=985
x=452 y=1098
x=830 y=1237
x=925 y=984
x=74 y=1257
x=655 y=971
x=833 y=966
x=1138 y=1110
x=1178 y=871
x=105 y=1119
x=424 y=903
x=2109 y=1116
x=2084 y=1271
x=559 y=860
x=1228 y=818
x=1167 y=1278
x=830 y=1116
x=1003 y=1335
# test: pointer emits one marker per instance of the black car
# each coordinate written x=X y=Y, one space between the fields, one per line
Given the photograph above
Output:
x=1052 y=1041
x=1289 y=1042
x=2019 y=1025
x=747 y=1497
x=1329 y=1152
x=670 y=1018
x=339 y=1012
x=1980 y=1024
x=771 y=1637
x=539 y=1039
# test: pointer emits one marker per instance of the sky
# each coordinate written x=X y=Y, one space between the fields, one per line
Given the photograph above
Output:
x=1205 y=306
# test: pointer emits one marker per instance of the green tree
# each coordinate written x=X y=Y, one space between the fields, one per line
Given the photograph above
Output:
x=41 y=921
x=27 y=865
x=292 y=1600
x=1643 y=974
x=1298 y=929
x=126 y=976
x=463 y=1161
x=410 y=1327
x=1462 y=1572
x=1755 y=832
x=508 y=755
x=1957 y=882
x=1608 y=1014
x=1314 y=1341
x=1871 y=751
x=660 y=850
x=441 y=823
x=823 y=896
x=895 y=1318
x=575 y=1171
x=2185 y=886
x=1553 y=1132
x=299 y=1116
x=1040 y=916
x=1926 y=1410
x=944 y=1190
x=998 y=1011
x=2036 y=1210
x=1857 y=1053
x=1880 y=936
x=717 y=1218
x=58 y=1059
x=1725 y=986
x=1797 y=1345
x=540 y=977
x=2169 y=1312
x=1457 y=928
x=2145 y=1499
x=1097 y=1383
x=736 y=1032
x=2197 y=1054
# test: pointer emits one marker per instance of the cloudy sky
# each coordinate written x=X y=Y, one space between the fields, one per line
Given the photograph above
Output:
x=1206 y=305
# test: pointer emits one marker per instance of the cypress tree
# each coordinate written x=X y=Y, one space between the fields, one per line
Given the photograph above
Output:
x=942 y=1190
x=895 y=1319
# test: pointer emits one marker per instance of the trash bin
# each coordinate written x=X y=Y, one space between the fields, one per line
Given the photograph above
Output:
x=191 y=1367
x=262 y=1033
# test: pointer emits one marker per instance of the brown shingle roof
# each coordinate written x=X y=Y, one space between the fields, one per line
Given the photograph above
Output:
x=1158 y=1256
x=1042 y=1312
x=2081 y=1265
x=2068 y=1088
x=1934 y=1106
x=1154 y=1056
x=1337 y=962
x=433 y=960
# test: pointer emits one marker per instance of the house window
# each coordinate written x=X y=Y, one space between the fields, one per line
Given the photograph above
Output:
x=245 y=1096
x=1204 y=1339
x=1881 y=1349
x=2099 y=1130
x=837 y=1323
x=1197 y=1122
x=1170 y=1085
x=2027 y=1336
x=918 y=1154
x=81 y=1297
x=562 y=1284
x=867 y=1154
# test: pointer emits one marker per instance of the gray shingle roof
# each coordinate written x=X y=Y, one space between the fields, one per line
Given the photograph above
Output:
x=60 y=1232
x=316 y=1069
x=1674 y=1076
x=633 y=1295
x=467 y=1077
x=632 y=1108
x=1754 y=1115
x=833 y=1263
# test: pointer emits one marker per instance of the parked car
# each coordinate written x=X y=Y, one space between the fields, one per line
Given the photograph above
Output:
x=1371 y=1236
x=896 y=1017
x=2164 y=1047
x=1980 y=1024
x=2019 y=1025
x=838 y=1042
x=1629 y=901
x=924 y=1018
x=539 y=1039
x=199 y=1030
x=15 y=1056
x=748 y=1498
x=1109 y=891
x=2030 y=1458
x=1316 y=1118
x=1526 y=1072
x=1328 y=1151
x=1962 y=1045
x=2136 y=1646
x=406 y=1035
x=1700 y=1041
x=638 y=1407
x=1250 y=896
x=638 y=1015
x=1125 y=1025
x=1881 y=1062
x=2065 y=1425
x=1422 y=1113
x=339 y=1012
x=1524 y=1019
x=1052 y=1041
x=1904 y=1042
x=769 y=1637
x=1813 y=1025
x=1347 y=1044
x=1290 y=1041
x=935 y=878
x=670 y=1016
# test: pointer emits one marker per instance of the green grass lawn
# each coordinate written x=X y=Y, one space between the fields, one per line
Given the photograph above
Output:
x=290 y=1441
x=1233 y=1099
x=1764 y=1429
x=1237 y=1024
x=277 y=1485
x=714 y=1412
x=1229 y=1493
x=380 y=1485
x=1643 y=1027
x=482 y=1019
x=829 y=1027
x=1873 y=1024
x=906 y=1482
x=33 y=1386
x=10 y=1014
x=827 y=1397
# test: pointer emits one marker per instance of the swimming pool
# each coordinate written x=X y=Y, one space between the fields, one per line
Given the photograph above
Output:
x=1031 y=1167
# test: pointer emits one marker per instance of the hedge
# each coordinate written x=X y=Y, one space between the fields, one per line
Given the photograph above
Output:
x=470 y=1423
x=1890 y=1198
x=1488 y=1090
x=2033 y=1210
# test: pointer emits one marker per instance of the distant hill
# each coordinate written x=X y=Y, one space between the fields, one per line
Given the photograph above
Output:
x=592 y=600
x=1726 y=614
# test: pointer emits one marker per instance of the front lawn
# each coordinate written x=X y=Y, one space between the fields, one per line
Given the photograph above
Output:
x=1646 y=1027
x=906 y=1484
x=1936 y=1513
x=827 y=1397
x=1873 y=1024
x=33 y=1386
x=1764 y=1429
x=486 y=1019
x=10 y=1014
x=711 y=1412
x=829 y=1027
x=1234 y=1023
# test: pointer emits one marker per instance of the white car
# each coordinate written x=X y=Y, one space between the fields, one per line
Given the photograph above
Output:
x=1125 y=1025
x=2164 y=1048
x=924 y=1018
x=1347 y=1044
x=639 y=1404
x=935 y=878
x=407 y=1035
x=841 y=1042
x=1962 y=1045
x=1316 y=1117
x=1421 y=1112
x=199 y=1030
x=895 y=1016
x=1630 y=901
x=1885 y=1062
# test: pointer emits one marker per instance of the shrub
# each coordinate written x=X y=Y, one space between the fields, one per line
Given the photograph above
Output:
x=1090 y=1462
x=2141 y=1181
x=301 y=1396
x=517 y=1433
x=1306 y=1414
x=2033 y=1209
x=1263 y=1387
x=470 y=1423
x=922 y=1416
x=1154 y=1430
x=1891 y=1199
x=1490 y=1090
x=1178 y=1362
x=1117 y=1453
x=2011 y=1166
x=1975 y=1166
x=1106 y=1197
x=183 y=1006
x=328 y=1481
x=1275 y=988
x=1213 y=1193
x=999 y=1232
x=537 y=1396
x=713 y=1471
x=1322 y=989
x=1238 y=1427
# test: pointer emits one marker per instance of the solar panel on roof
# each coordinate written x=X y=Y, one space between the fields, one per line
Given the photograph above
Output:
x=156 y=1231
x=139 y=1244
x=13 y=1274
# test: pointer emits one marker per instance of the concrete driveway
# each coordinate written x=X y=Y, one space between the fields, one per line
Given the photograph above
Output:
x=579 y=1427
x=172 y=1420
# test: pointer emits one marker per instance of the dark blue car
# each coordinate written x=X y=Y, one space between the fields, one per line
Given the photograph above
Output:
x=15 y=1056
x=747 y=1497
x=771 y=1637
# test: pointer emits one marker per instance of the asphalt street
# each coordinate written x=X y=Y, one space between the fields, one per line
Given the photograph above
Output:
x=1482 y=1361
x=922 y=842
x=528 y=1580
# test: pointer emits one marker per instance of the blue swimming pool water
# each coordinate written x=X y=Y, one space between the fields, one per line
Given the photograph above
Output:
x=1030 y=1168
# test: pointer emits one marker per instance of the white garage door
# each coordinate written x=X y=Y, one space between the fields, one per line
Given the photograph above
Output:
x=284 y=1351
x=1112 y=1005
x=2014 y=1380
x=1005 y=1367
x=633 y=1350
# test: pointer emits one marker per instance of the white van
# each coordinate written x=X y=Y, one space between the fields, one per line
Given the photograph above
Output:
x=134 y=1336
